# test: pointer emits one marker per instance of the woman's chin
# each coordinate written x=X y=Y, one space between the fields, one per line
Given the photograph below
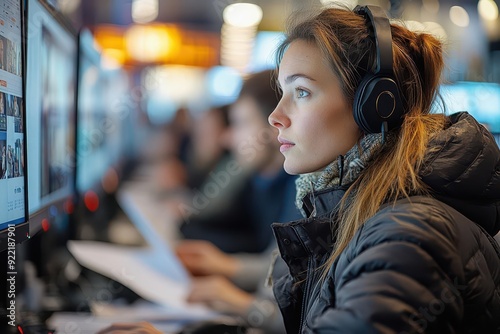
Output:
x=291 y=168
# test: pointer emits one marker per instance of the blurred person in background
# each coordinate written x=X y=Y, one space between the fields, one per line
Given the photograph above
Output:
x=235 y=205
x=235 y=283
x=206 y=149
x=181 y=128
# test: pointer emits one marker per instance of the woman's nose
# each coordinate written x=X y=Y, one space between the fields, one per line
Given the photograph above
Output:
x=276 y=118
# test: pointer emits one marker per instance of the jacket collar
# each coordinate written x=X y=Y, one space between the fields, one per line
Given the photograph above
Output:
x=314 y=236
x=323 y=202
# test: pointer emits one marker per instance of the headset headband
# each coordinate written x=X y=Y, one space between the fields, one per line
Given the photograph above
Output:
x=382 y=34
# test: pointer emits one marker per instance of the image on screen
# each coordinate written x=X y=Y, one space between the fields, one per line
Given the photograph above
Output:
x=12 y=138
x=51 y=79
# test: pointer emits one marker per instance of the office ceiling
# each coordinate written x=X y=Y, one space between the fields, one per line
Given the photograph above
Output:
x=207 y=14
x=202 y=14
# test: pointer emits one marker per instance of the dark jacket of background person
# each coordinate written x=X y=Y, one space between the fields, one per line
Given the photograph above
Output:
x=244 y=224
x=422 y=265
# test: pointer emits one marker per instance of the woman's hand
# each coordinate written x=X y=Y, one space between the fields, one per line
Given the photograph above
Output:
x=202 y=258
x=220 y=294
x=130 y=328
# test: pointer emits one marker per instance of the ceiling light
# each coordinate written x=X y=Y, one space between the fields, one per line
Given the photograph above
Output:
x=242 y=15
x=147 y=43
x=348 y=3
x=488 y=10
x=459 y=16
x=144 y=11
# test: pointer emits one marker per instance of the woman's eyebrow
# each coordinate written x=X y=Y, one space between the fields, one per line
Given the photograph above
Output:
x=291 y=78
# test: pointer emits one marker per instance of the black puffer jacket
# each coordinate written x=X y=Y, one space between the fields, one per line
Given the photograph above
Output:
x=424 y=265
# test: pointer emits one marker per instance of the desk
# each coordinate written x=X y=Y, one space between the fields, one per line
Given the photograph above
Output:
x=85 y=323
x=153 y=273
x=168 y=321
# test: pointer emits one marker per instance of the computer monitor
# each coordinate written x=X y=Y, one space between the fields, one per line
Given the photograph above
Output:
x=94 y=127
x=104 y=113
x=13 y=201
x=51 y=56
x=480 y=99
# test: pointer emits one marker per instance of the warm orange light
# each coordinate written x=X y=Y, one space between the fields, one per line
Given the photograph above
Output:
x=151 y=43
x=109 y=37
x=157 y=43
x=113 y=58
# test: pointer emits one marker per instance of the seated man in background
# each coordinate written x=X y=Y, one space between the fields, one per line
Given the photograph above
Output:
x=206 y=150
x=235 y=283
x=236 y=204
x=238 y=219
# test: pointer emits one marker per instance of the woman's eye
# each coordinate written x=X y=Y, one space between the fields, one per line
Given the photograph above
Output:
x=301 y=93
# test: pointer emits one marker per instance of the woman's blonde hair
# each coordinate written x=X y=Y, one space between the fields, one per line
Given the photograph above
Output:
x=344 y=40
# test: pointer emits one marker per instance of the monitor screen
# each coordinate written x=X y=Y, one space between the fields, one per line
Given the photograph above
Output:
x=13 y=203
x=480 y=99
x=51 y=55
x=103 y=112
x=92 y=158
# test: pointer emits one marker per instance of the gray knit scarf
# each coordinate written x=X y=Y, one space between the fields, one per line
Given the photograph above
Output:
x=353 y=163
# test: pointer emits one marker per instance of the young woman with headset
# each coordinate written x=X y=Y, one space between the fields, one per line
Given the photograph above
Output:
x=400 y=204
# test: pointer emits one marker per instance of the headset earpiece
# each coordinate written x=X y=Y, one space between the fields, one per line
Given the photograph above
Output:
x=377 y=104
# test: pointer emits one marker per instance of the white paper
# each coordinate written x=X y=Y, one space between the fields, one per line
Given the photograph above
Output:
x=149 y=215
x=145 y=271
x=154 y=273
x=153 y=223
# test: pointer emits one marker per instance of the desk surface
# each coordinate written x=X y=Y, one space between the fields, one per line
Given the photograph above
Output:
x=86 y=323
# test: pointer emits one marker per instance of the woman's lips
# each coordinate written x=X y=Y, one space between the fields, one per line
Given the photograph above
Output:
x=285 y=144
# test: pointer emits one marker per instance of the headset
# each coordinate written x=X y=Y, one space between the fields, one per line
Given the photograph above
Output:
x=377 y=103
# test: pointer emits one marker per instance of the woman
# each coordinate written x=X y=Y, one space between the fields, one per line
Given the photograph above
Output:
x=397 y=237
